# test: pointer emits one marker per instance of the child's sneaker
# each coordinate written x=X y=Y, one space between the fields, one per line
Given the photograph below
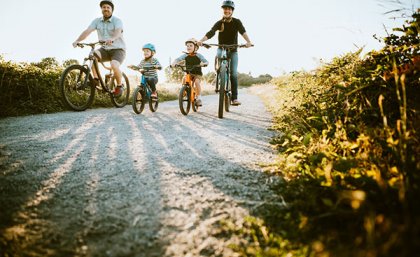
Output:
x=198 y=102
x=118 y=91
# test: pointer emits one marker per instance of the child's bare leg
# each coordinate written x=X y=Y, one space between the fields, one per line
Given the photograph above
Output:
x=198 y=86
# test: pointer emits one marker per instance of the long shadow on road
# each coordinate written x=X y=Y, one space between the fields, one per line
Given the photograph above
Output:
x=119 y=184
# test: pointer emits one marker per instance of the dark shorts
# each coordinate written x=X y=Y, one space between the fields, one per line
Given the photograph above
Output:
x=111 y=55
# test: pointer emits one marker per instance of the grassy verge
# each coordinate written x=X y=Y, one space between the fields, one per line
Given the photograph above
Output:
x=349 y=156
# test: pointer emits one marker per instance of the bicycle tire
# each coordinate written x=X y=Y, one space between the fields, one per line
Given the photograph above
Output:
x=154 y=103
x=121 y=100
x=222 y=83
x=194 y=101
x=76 y=90
x=184 y=99
x=227 y=101
x=139 y=100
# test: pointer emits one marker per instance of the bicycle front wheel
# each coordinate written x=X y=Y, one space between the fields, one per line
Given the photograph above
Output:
x=184 y=99
x=154 y=102
x=76 y=88
x=222 y=84
x=139 y=99
x=122 y=100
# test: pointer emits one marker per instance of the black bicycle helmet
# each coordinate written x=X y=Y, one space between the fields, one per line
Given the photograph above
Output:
x=228 y=3
x=107 y=2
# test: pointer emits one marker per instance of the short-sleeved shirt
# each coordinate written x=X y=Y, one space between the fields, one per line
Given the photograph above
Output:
x=106 y=30
x=149 y=63
x=229 y=35
x=192 y=59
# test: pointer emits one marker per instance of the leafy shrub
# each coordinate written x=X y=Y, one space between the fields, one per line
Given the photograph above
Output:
x=349 y=151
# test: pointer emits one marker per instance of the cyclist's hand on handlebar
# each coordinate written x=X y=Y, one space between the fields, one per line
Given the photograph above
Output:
x=109 y=42
x=249 y=44
x=203 y=64
x=75 y=44
x=133 y=67
x=158 y=67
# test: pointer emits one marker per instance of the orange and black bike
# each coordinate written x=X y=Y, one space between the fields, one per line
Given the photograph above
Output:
x=78 y=86
x=188 y=92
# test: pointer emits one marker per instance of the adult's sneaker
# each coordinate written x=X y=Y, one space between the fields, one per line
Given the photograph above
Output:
x=235 y=102
x=118 y=91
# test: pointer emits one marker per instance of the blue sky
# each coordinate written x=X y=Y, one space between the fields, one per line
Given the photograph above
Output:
x=288 y=35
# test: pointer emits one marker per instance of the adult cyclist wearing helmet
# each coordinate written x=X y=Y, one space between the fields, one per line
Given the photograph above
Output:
x=192 y=58
x=148 y=66
x=229 y=28
x=110 y=30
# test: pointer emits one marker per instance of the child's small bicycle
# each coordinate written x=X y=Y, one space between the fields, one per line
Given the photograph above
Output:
x=188 y=93
x=143 y=93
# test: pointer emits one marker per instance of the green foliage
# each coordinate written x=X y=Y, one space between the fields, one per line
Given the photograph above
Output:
x=34 y=88
x=174 y=75
x=246 y=80
x=350 y=154
x=48 y=63
x=69 y=62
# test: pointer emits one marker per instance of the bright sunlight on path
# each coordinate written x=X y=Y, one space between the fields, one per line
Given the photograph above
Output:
x=108 y=182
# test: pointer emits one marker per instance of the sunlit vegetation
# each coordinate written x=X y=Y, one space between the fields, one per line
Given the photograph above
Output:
x=349 y=156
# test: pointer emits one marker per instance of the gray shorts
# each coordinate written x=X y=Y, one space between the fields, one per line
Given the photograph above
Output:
x=111 y=55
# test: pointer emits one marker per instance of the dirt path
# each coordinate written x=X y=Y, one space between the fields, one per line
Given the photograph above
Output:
x=109 y=182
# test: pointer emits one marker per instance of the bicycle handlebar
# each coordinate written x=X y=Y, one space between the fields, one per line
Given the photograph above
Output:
x=189 y=68
x=136 y=68
x=225 y=46
x=81 y=45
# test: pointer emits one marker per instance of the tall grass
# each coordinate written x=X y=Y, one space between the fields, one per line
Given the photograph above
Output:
x=349 y=155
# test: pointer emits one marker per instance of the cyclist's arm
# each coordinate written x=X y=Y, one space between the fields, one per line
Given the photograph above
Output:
x=117 y=35
x=157 y=64
x=83 y=36
x=211 y=33
x=248 y=41
x=203 y=60
x=179 y=59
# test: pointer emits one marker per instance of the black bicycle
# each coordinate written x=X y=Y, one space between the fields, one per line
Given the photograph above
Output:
x=78 y=85
x=222 y=67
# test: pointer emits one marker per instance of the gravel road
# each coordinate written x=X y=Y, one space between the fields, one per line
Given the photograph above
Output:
x=108 y=182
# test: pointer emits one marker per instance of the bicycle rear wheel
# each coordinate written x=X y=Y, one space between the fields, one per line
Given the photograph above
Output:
x=222 y=83
x=76 y=88
x=122 y=100
x=139 y=99
x=184 y=99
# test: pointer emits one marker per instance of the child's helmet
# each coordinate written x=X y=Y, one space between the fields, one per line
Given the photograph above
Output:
x=193 y=41
x=149 y=46
x=107 y=2
x=228 y=3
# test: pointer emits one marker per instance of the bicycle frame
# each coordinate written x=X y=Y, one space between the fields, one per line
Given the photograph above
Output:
x=145 y=85
x=222 y=66
x=94 y=64
x=224 y=61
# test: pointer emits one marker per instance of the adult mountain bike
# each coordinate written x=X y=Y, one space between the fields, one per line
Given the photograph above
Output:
x=143 y=93
x=188 y=92
x=78 y=86
x=222 y=67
